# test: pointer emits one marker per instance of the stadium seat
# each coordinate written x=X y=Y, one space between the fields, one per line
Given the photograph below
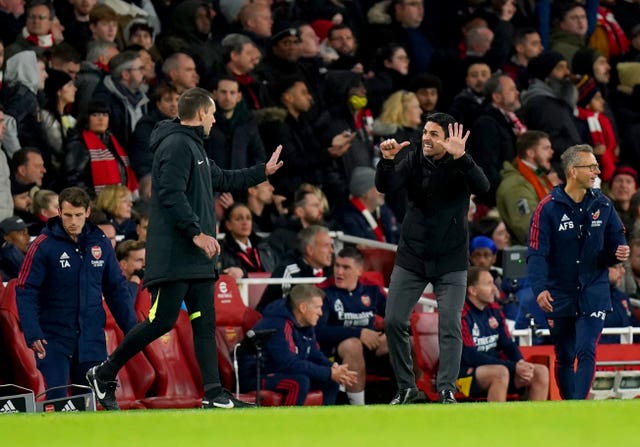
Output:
x=174 y=386
x=233 y=320
x=424 y=329
x=256 y=290
x=379 y=260
x=20 y=358
x=136 y=377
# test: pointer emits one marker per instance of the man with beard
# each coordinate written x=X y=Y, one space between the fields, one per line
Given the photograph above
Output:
x=524 y=183
x=467 y=104
x=548 y=103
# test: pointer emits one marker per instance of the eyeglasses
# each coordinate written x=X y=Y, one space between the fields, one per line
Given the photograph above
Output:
x=35 y=17
x=593 y=168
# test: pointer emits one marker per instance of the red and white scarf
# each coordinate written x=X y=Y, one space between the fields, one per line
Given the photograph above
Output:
x=104 y=166
x=618 y=41
x=602 y=133
x=373 y=223
x=44 y=41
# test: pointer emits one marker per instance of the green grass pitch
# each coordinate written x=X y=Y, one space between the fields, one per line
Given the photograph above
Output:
x=516 y=424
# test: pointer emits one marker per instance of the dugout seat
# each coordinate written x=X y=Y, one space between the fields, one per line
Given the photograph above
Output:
x=20 y=358
x=424 y=329
x=174 y=386
x=137 y=375
x=233 y=320
x=256 y=290
x=379 y=260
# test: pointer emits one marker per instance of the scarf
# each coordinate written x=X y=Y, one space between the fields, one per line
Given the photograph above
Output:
x=246 y=81
x=618 y=41
x=45 y=41
x=602 y=133
x=541 y=184
x=373 y=223
x=102 y=66
x=104 y=166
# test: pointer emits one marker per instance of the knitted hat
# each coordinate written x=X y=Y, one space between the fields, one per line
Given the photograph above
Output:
x=541 y=66
x=362 y=180
x=629 y=75
x=482 y=242
x=322 y=28
x=283 y=29
x=20 y=188
x=583 y=60
x=587 y=89
x=97 y=106
x=55 y=81
x=625 y=170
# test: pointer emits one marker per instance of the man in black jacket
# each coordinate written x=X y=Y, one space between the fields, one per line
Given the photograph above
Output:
x=181 y=244
x=434 y=245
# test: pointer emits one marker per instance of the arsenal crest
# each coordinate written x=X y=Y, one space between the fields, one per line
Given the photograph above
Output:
x=96 y=252
x=493 y=323
x=595 y=215
x=366 y=300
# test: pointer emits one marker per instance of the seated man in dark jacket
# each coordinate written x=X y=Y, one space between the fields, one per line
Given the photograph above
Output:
x=293 y=364
x=351 y=323
x=492 y=364
x=15 y=234
x=314 y=259
x=366 y=214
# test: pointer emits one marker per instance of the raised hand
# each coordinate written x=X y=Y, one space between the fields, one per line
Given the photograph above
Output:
x=390 y=148
x=273 y=164
x=456 y=142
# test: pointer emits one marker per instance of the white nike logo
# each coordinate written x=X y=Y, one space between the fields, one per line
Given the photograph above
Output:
x=97 y=390
x=229 y=404
x=200 y=162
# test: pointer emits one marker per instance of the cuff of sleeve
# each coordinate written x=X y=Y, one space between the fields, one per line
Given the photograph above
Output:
x=465 y=162
x=193 y=230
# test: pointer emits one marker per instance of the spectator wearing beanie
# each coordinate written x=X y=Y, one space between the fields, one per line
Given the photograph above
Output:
x=366 y=214
x=56 y=119
x=542 y=106
x=590 y=111
x=623 y=185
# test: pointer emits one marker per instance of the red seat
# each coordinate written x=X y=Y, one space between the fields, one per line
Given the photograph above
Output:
x=20 y=358
x=137 y=375
x=174 y=386
x=424 y=329
x=233 y=320
x=256 y=290
x=379 y=260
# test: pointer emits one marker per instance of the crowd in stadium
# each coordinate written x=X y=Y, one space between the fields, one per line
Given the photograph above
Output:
x=83 y=84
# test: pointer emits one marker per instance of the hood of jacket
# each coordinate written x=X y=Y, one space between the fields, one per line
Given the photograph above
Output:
x=537 y=88
x=90 y=232
x=23 y=68
x=167 y=127
x=184 y=19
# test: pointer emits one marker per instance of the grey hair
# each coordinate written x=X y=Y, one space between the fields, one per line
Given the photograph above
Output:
x=173 y=62
x=307 y=236
x=571 y=156
x=97 y=48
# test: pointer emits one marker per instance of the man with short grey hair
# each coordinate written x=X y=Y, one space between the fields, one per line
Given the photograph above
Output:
x=180 y=70
x=241 y=55
x=124 y=91
x=575 y=235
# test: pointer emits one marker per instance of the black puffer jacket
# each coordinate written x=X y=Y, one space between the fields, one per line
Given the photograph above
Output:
x=435 y=233
x=182 y=203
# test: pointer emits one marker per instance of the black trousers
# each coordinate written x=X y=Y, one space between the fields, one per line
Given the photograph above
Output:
x=166 y=302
